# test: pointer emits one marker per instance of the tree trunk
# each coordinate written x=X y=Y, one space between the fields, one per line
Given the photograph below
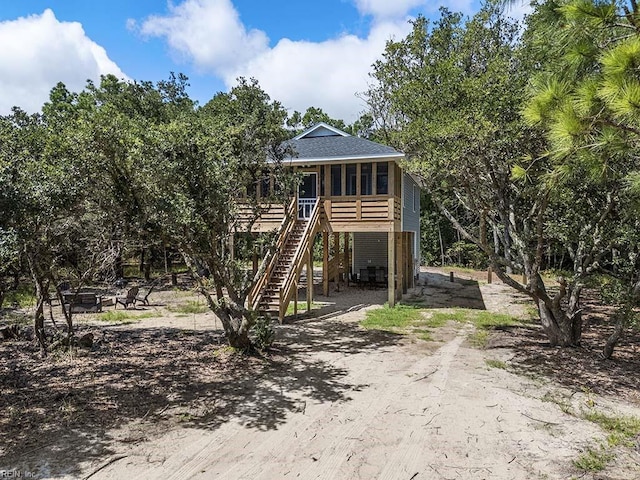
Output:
x=141 y=263
x=234 y=317
x=118 y=267
x=615 y=337
x=562 y=329
x=441 y=246
x=38 y=315
x=236 y=328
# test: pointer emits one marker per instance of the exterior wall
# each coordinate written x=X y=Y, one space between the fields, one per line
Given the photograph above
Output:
x=369 y=250
x=411 y=213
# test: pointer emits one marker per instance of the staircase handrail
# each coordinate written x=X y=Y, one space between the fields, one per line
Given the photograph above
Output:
x=284 y=229
x=296 y=265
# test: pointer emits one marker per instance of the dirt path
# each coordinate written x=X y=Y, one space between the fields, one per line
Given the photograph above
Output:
x=333 y=401
x=406 y=413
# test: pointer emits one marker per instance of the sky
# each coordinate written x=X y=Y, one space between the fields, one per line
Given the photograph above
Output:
x=302 y=53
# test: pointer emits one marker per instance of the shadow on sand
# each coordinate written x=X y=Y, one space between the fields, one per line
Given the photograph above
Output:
x=61 y=411
x=435 y=290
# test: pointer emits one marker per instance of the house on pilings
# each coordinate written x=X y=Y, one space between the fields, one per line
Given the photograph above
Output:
x=356 y=194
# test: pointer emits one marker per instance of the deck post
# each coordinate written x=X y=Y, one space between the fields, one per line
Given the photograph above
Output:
x=405 y=262
x=346 y=263
x=411 y=274
x=310 y=276
x=400 y=265
x=336 y=258
x=391 y=267
x=325 y=264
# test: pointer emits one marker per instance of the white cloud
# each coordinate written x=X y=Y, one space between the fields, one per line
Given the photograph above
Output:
x=39 y=51
x=209 y=32
x=299 y=74
x=518 y=10
x=325 y=74
x=387 y=8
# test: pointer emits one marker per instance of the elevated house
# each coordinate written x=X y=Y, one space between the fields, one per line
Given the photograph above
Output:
x=356 y=194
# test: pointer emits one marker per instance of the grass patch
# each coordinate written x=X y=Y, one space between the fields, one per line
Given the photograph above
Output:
x=114 y=317
x=424 y=335
x=487 y=320
x=23 y=297
x=594 y=460
x=492 y=363
x=561 y=402
x=479 y=338
x=15 y=317
x=302 y=307
x=437 y=319
x=621 y=429
x=392 y=319
x=483 y=321
x=411 y=318
x=190 y=307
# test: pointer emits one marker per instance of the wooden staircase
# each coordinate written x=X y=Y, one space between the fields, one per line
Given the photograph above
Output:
x=280 y=281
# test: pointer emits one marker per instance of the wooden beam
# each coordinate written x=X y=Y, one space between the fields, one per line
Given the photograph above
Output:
x=327 y=181
x=399 y=264
x=325 y=264
x=374 y=178
x=405 y=262
x=347 y=262
x=412 y=273
x=391 y=267
x=391 y=181
x=336 y=255
x=310 y=277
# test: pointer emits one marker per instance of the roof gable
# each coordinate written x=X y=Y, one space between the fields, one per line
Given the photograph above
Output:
x=321 y=130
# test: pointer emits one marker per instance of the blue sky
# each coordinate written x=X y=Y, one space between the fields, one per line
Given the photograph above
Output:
x=303 y=53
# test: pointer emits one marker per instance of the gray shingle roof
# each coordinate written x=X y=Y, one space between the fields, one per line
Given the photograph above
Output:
x=337 y=146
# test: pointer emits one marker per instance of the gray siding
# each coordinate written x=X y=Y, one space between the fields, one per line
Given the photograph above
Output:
x=369 y=250
x=411 y=218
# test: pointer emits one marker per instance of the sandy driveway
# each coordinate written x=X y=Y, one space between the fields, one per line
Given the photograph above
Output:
x=362 y=405
x=160 y=397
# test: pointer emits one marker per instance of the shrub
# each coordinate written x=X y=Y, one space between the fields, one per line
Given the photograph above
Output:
x=263 y=333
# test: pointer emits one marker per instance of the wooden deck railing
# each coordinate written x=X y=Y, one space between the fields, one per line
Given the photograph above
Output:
x=291 y=281
x=367 y=208
x=270 y=261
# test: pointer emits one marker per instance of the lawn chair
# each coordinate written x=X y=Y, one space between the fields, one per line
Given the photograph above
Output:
x=130 y=299
x=145 y=298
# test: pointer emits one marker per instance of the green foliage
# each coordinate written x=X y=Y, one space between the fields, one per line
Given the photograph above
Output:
x=493 y=363
x=263 y=333
x=623 y=426
x=467 y=254
x=113 y=316
x=23 y=297
x=594 y=460
x=190 y=307
x=385 y=318
x=302 y=306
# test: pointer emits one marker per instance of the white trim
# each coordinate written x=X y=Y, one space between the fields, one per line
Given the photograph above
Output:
x=321 y=125
x=389 y=156
x=402 y=200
